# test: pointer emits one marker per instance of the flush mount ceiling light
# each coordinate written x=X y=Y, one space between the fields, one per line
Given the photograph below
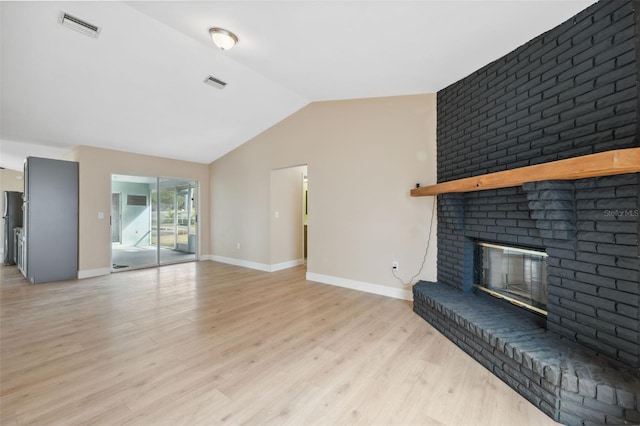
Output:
x=78 y=25
x=222 y=38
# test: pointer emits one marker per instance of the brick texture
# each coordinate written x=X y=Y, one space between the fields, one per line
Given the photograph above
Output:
x=569 y=92
x=569 y=383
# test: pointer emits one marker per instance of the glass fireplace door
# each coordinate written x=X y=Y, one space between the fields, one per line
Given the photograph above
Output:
x=516 y=274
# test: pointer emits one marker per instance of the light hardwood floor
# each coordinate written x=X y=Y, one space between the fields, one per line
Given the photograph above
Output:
x=207 y=343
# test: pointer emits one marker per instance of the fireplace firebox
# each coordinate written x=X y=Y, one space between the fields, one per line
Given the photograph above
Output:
x=516 y=274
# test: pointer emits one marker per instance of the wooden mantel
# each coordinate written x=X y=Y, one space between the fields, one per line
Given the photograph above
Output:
x=608 y=163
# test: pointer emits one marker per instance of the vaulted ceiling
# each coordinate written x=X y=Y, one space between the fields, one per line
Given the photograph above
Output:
x=139 y=87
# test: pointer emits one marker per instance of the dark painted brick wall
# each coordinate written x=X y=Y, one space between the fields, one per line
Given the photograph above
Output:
x=569 y=92
x=600 y=305
x=589 y=228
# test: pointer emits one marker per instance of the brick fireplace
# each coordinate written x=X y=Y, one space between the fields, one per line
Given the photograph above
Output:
x=570 y=92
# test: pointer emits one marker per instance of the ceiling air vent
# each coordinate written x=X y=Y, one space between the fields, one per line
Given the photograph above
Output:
x=212 y=81
x=79 y=25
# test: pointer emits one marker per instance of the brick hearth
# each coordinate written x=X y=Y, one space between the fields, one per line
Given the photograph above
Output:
x=567 y=381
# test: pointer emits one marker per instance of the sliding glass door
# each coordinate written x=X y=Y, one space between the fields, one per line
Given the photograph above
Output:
x=156 y=221
x=177 y=219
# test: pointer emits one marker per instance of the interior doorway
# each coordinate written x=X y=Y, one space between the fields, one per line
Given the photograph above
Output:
x=305 y=212
x=153 y=221
x=289 y=217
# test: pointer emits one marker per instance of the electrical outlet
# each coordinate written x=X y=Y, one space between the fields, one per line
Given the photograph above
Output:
x=395 y=265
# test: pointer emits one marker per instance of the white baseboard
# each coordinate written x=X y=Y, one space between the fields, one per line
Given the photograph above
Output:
x=88 y=273
x=254 y=265
x=382 y=290
x=285 y=265
x=205 y=257
x=243 y=263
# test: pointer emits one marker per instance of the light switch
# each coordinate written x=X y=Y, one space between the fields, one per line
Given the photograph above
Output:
x=100 y=215
x=276 y=215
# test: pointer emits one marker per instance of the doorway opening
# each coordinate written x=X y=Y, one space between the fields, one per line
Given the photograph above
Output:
x=289 y=217
x=305 y=213
x=153 y=221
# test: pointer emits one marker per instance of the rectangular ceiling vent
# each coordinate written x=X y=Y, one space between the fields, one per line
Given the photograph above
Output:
x=78 y=25
x=212 y=81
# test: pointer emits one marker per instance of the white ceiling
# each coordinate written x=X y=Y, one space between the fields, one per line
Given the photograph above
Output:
x=139 y=86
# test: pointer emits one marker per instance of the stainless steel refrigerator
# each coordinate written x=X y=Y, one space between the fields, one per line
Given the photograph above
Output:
x=50 y=220
x=12 y=218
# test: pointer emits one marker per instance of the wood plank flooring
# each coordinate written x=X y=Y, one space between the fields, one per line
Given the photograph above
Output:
x=208 y=343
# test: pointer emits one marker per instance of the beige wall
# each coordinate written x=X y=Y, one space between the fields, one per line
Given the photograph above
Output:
x=96 y=167
x=363 y=157
x=10 y=180
x=286 y=214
